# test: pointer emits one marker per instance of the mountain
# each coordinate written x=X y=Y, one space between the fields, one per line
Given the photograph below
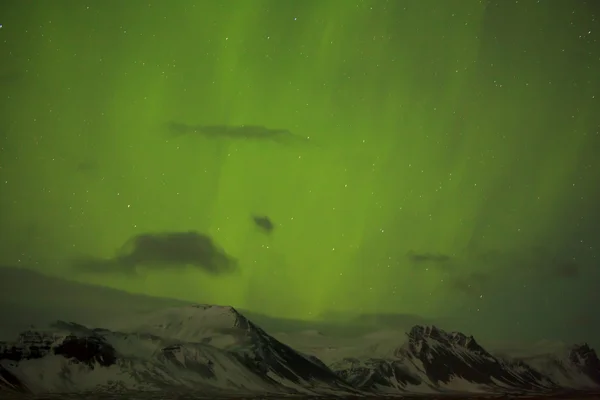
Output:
x=207 y=349
x=226 y=329
x=569 y=366
x=31 y=297
x=215 y=350
x=121 y=341
x=432 y=360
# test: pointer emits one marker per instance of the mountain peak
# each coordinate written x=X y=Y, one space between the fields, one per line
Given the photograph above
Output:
x=421 y=333
x=586 y=359
x=194 y=323
x=222 y=316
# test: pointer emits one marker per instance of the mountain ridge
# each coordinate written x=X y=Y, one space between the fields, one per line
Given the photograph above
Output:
x=216 y=349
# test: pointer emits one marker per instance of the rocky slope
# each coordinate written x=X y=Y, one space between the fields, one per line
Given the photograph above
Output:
x=215 y=350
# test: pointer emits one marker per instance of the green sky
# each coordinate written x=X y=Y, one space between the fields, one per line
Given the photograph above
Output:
x=451 y=168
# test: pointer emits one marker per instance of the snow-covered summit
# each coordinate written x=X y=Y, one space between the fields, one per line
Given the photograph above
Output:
x=569 y=366
x=215 y=350
x=193 y=323
x=439 y=361
x=430 y=335
x=211 y=349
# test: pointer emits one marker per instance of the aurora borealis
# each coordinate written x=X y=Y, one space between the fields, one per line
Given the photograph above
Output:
x=450 y=166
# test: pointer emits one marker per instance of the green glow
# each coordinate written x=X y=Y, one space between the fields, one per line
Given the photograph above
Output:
x=427 y=135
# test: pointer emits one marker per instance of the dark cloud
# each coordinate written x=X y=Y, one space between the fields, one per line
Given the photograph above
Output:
x=469 y=284
x=10 y=77
x=86 y=165
x=472 y=274
x=541 y=263
x=170 y=250
x=433 y=258
x=247 y=132
x=264 y=223
x=568 y=269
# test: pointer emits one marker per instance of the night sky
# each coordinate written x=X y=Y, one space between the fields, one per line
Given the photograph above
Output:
x=298 y=158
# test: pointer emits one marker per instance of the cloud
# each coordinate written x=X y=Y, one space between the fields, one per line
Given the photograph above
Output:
x=472 y=274
x=537 y=262
x=264 y=223
x=470 y=284
x=433 y=258
x=568 y=269
x=171 y=250
x=236 y=132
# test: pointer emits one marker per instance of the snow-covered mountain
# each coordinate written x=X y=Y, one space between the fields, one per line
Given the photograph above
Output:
x=574 y=367
x=215 y=350
x=432 y=360
x=211 y=349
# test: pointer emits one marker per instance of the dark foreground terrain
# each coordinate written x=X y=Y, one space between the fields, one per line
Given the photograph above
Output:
x=193 y=396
